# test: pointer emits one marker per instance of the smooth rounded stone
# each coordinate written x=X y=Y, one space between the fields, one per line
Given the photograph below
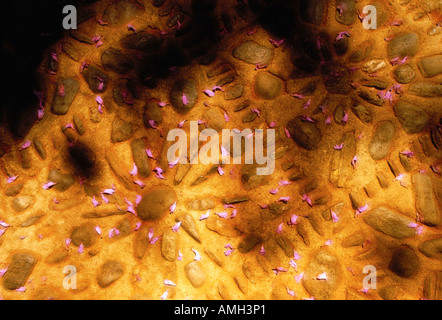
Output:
x=339 y=114
x=348 y=12
x=378 y=83
x=253 y=53
x=195 y=274
x=38 y=145
x=341 y=46
x=221 y=226
x=57 y=256
x=436 y=137
x=250 y=117
x=371 y=98
x=200 y=204
x=138 y=148
x=249 y=222
x=115 y=60
x=22 y=203
x=412 y=118
x=226 y=80
x=169 y=245
x=156 y=203
x=337 y=208
x=64 y=95
x=152 y=111
x=373 y=66
x=267 y=85
x=141 y=41
x=249 y=242
x=95 y=78
x=353 y=240
x=78 y=124
x=404 y=262
x=389 y=292
x=31 y=220
x=380 y=142
x=19 y=269
x=389 y=223
x=14 y=189
x=425 y=89
x=84 y=234
x=362 y=112
x=71 y=51
x=214 y=119
x=141 y=242
x=404 y=73
x=434 y=30
x=403 y=46
x=250 y=179
x=121 y=12
x=425 y=200
x=121 y=130
x=304 y=133
x=188 y=224
x=110 y=271
x=234 y=92
x=180 y=173
x=405 y=161
x=312 y=11
x=63 y=181
x=360 y=53
x=81 y=36
x=432 y=248
x=183 y=87
x=319 y=263
x=336 y=78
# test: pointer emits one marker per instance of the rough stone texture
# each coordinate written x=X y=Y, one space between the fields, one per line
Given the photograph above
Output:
x=404 y=262
x=169 y=246
x=348 y=14
x=412 y=118
x=389 y=223
x=425 y=200
x=63 y=181
x=22 y=203
x=253 y=53
x=188 y=88
x=336 y=78
x=152 y=112
x=138 y=147
x=85 y=234
x=188 y=224
x=362 y=112
x=355 y=239
x=214 y=119
x=200 y=204
x=267 y=85
x=195 y=274
x=19 y=269
x=425 y=89
x=405 y=45
x=430 y=66
x=110 y=271
x=432 y=289
x=117 y=61
x=121 y=130
x=432 y=248
x=341 y=172
x=234 y=92
x=319 y=263
x=381 y=139
x=156 y=202
x=64 y=95
x=404 y=73
x=95 y=78
x=248 y=243
x=304 y=133
x=250 y=179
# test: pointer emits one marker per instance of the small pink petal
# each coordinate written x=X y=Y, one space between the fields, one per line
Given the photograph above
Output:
x=338 y=146
x=149 y=153
x=307 y=199
x=172 y=207
x=226 y=117
x=21 y=289
x=162 y=104
x=224 y=152
x=25 y=145
x=174 y=163
x=262 y=251
x=290 y=292
x=296 y=255
x=307 y=104
x=272 y=124
x=297 y=95
x=222 y=214
x=328 y=243
x=169 y=283
x=150 y=234
x=138 y=226
x=95 y=202
x=214 y=88
x=299 y=277
x=354 y=161
x=3 y=271
x=11 y=179
x=164 y=295
x=263 y=206
x=134 y=170
x=197 y=255
x=322 y=276
x=176 y=227
x=184 y=99
x=98 y=230
x=345 y=118
x=48 y=185
x=68 y=242
x=293 y=219
x=105 y=199
x=287 y=133
x=279 y=228
x=335 y=217
x=228 y=252
x=180 y=256
x=407 y=153
x=327 y=120
x=233 y=214
x=209 y=93
x=255 y=111
x=131 y=28
x=293 y=263
x=204 y=216
x=284 y=199
x=81 y=248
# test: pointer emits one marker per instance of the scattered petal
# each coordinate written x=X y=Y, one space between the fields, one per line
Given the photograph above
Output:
x=407 y=153
x=176 y=227
x=134 y=170
x=172 y=207
x=48 y=185
x=284 y=183
x=98 y=230
x=222 y=214
x=354 y=161
x=284 y=199
x=95 y=202
x=279 y=228
x=335 y=217
x=184 y=99
x=169 y=283
x=164 y=295
x=197 y=255
x=262 y=251
x=180 y=256
x=339 y=146
x=287 y=133
x=149 y=153
x=290 y=292
x=220 y=171
x=307 y=199
x=25 y=145
x=322 y=276
x=299 y=277
x=81 y=248
x=204 y=216
x=209 y=93
x=293 y=219
x=274 y=191
x=11 y=179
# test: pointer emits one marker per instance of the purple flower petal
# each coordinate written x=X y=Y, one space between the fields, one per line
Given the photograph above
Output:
x=180 y=256
x=95 y=202
x=299 y=277
x=25 y=145
x=297 y=95
x=169 y=283
x=307 y=199
x=287 y=133
x=284 y=199
x=134 y=170
x=204 y=216
x=172 y=207
x=407 y=153
x=209 y=93
x=105 y=200
x=279 y=228
x=307 y=104
x=98 y=230
x=226 y=117
x=214 y=88
x=197 y=255
x=222 y=214
x=262 y=251
x=327 y=120
x=138 y=226
x=176 y=227
x=293 y=219
x=11 y=179
x=335 y=218
x=81 y=248
x=339 y=146
x=184 y=99
x=354 y=161
x=322 y=276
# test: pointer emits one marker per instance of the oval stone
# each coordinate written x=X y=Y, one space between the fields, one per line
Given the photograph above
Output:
x=156 y=202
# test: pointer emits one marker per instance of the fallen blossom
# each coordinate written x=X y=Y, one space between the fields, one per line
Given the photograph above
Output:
x=296 y=255
x=220 y=171
x=279 y=228
x=263 y=206
x=397 y=60
x=81 y=248
x=11 y=179
x=21 y=289
x=138 y=226
x=48 y=185
x=226 y=117
x=222 y=214
x=68 y=242
x=293 y=264
x=327 y=120
x=149 y=153
x=262 y=251
x=279 y=269
x=297 y=95
x=274 y=191
x=159 y=173
x=276 y=43
x=284 y=199
x=272 y=124
x=98 y=230
x=172 y=207
x=284 y=183
x=184 y=99
x=407 y=153
x=354 y=161
x=95 y=202
x=293 y=220
x=233 y=214
x=176 y=227
x=328 y=243
x=134 y=170
x=197 y=255
x=290 y=292
x=138 y=199
x=299 y=277
x=339 y=146
x=361 y=209
x=228 y=252
x=25 y=145
x=307 y=199
x=342 y=35
x=204 y=216
x=131 y=28
x=180 y=256
x=209 y=93
x=334 y=216
x=3 y=271
x=345 y=118
x=307 y=119
x=164 y=295
x=307 y=104
x=169 y=283
x=287 y=133
x=322 y=276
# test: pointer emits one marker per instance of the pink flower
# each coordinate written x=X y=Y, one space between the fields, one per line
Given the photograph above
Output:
x=25 y=145
x=149 y=153
x=197 y=255
x=339 y=146
x=262 y=250
x=172 y=207
x=307 y=199
x=204 y=216
x=184 y=99
x=284 y=199
x=176 y=227
x=134 y=170
x=279 y=228
x=222 y=214
x=293 y=219
x=209 y=93
x=11 y=179
x=274 y=191
x=95 y=202
x=220 y=171
x=322 y=276
x=48 y=185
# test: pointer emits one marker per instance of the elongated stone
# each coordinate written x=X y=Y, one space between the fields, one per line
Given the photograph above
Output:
x=169 y=247
x=430 y=66
x=253 y=53
x=412 y=118
x=380 y=143
x=188 y=224
x=64 y=95
x=389 y=223
x=195 y=274
x=425 y=200
x=19 y=269
x=140 y=157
